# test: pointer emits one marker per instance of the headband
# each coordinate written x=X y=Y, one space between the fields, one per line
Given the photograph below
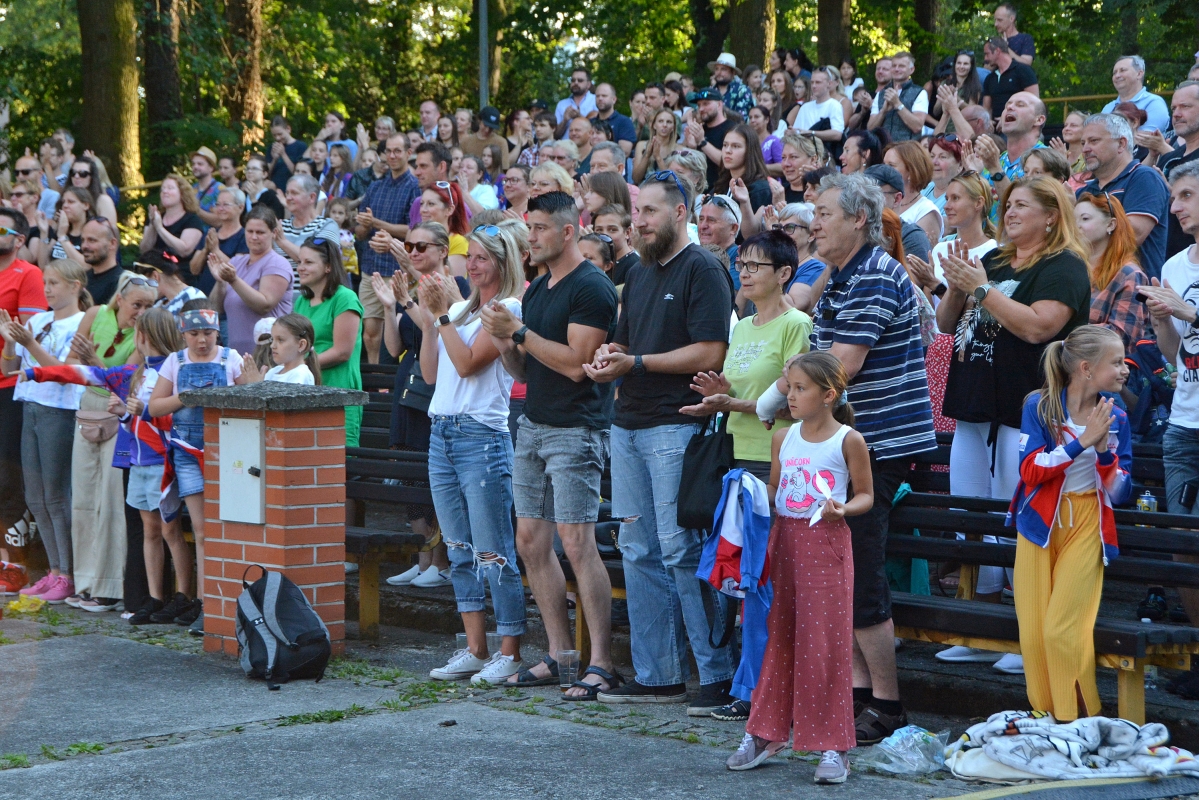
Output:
x=199 y=319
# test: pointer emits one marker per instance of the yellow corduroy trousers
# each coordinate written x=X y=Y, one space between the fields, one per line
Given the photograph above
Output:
x=1057 y=590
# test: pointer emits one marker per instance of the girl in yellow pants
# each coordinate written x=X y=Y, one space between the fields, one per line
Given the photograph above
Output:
x=1075 y=457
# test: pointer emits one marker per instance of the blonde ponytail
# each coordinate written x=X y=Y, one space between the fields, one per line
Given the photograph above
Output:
x=1059 y=361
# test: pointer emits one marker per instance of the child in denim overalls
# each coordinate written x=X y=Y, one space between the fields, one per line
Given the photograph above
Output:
x=204 y=364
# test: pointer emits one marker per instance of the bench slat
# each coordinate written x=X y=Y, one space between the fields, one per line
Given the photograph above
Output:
x=402 y=495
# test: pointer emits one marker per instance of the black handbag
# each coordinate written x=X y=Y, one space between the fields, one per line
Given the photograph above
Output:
x=707 y=459
x=416 y=394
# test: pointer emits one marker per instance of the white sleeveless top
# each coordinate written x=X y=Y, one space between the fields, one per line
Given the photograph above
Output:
x=799 y=462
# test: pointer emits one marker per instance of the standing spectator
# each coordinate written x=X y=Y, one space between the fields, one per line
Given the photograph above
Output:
x=254 y=285
x=566 y=314
x=489 y=133
x=336 y=316
x=254 y=186
x=470 y=453
x=1107 y=142
x=659 y=344
x=946 y=155
x=1070 y=146
x=581 y=102
x=519 y=133
x=430 y=117
x=1010 y=76
x=341 y=170
x=795 y=220
x=174 y=226
x=25 y=197
x=84 y=174
x=227 y=237
x=304 y=222
x=579 y=131
x=431 y=166
x=516 y=189
x=899 y=109
x=772 y=146
x=543 y=132
x=623 y=132
x=743 y=171
x=28 y=168
x=913 y=238
x=1185 y=103
x=99 y=245
x=736 y=96
x=168 y=274
x=1022 y=45
x=476 y=191
x=75 y=208
x=802 y=153
x=719 y=224
x=442 y=202
x=1116 y=277
x=782 y=85
x=334 y=132
x=1004 y=310
x=54 y=167
x=1172 y=307
x=203 y=163
x=616 y=223
x=913 y=164
x=373 y=168
x=868 y=317
x=226 y=170
x=823 y=115
x=707 y=135
x=650 y=155
x=607 y=157
x=1022 y=121
x=1128 y=77
x=285 y=152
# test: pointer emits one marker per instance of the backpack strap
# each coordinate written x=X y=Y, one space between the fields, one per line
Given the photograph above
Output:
x=270 y=600
x=246 y=604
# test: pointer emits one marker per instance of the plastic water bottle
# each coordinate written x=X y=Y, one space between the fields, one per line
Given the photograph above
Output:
x=1150 y=669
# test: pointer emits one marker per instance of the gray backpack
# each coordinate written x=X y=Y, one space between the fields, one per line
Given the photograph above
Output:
x=279 y=635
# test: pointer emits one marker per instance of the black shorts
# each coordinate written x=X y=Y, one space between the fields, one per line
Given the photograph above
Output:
x=871 y=592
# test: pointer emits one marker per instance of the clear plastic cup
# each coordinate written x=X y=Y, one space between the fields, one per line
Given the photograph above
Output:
x=460 y=642
x=494 y=643
x=568 y=668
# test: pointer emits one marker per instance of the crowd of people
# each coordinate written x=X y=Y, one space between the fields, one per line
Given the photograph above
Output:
x=837 y=271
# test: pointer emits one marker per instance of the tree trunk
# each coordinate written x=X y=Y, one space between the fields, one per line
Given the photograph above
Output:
x=497 y=24
x=752 y=31
x=160 y=37
x=109 y=82
x=244 y=98
x=1130 y=24
x=832 y=30
x=710 y=33
x=924 y=43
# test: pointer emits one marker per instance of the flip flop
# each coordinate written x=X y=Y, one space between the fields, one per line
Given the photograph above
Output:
x=612 y=679
x=526 y=677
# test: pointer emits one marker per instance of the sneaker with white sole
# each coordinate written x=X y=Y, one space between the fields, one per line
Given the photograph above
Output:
x=497 y=670
x=406 y=577
x=461 y=666
x=432 y=578
x=750 y=754
x=959 y=654
x=1010 y=664
x=833 y=768
x=62 y=588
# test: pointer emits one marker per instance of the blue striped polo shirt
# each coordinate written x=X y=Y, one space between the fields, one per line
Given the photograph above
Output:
x=871 y=302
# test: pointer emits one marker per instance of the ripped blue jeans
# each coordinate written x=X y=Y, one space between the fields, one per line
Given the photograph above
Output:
x=470 y=475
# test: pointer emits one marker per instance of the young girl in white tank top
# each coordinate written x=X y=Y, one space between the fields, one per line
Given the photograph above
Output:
x=810 y=699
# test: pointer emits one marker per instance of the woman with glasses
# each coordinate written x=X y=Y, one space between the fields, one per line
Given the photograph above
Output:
x=443 y=202
x=549 y=177
x=254 y=285
x=517 y=187
x=85 y=174
x=227 y=237
x=25 y=197
x=105 y=338
x=650 y=155
x=946 y=156
x=75 y=207
x=254 y=183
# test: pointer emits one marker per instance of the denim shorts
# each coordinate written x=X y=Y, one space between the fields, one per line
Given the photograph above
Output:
x=556 y=473
x=189 y=473
x=145 y=487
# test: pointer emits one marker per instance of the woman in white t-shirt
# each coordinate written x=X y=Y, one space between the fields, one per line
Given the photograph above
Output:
x=470 y=450
x=916 y=169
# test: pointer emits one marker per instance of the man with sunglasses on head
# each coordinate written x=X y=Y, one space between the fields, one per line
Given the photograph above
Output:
x=719 y=222
x=383 y=210
x=562 y=440
x=674 y=323
x=29 y=168
x=99 y=247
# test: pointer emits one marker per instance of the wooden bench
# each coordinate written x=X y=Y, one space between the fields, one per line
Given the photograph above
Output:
x=1147 y=542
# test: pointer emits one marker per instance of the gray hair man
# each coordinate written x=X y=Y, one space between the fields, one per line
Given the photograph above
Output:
x=1128 y=76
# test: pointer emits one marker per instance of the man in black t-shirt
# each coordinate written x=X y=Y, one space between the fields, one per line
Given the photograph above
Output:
x=99 y=248
x=707 y=135
x=1011 y=76
x=562 y=441
x=674 y=322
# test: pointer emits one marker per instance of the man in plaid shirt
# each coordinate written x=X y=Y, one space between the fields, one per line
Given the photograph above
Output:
x=384 y=208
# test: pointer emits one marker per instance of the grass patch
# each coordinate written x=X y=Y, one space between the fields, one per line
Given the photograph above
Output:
x=50 y=616
x=331 y=715
x=356 y=668
x=596 y=707
x=691 y=739
x=424 y=691
x=49 y=752
x=391 y=705
x=84 y=748
x=513 y=692
x=14 y=761
x=5 y=640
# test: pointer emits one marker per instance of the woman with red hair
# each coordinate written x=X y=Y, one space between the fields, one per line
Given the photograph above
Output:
x=946 y=153
x=1116 y=276
x=442 y=202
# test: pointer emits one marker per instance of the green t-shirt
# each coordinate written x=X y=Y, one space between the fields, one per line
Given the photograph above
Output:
x=755 y=360
x=104 y=333
x=347 y=375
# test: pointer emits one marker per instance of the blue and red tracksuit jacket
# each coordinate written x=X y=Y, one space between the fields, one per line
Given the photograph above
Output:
x=1043 y=464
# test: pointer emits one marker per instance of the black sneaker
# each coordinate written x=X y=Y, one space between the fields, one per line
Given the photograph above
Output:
x=711 y=697
x=143 y=614
x=191 y=613
x=176 y=606
x=1179 y=614
x=633 y=692
x=1154 y=605
x=737 y=711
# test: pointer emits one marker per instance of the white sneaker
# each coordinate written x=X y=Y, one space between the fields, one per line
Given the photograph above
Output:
x=833 y=768
x=1010 y=664
x=406 y=577
x=960 y=654
x=432 y=578
x=497 y=670
x=461 y=666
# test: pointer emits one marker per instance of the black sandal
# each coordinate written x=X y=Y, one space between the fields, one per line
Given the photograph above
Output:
x=526 y=677
x=613 y=680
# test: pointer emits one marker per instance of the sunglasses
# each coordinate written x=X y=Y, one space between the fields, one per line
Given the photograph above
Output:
x=442 y=185
x=116 y=340
x=490 y=230
x=668 y=175
x=19 y=194
x=75 y=174
x=7 y=232
x=29 y=171
x=419 y=247
x=722 y=200
x=45 y=332
x=135 y=281
x=603 y=237
x=948 y=137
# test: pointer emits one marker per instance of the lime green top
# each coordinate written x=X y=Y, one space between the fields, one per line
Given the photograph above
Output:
x=347 y=375
x=105 y=334
x=756 y=356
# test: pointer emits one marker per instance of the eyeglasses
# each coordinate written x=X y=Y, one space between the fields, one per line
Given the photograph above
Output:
x=490 y=230
x=752 y=267
x=419 y=247
x=512 y=180
x=790 y=228
x=669 y=175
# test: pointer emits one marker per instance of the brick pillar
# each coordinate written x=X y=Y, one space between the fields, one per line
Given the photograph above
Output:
x=303 y=534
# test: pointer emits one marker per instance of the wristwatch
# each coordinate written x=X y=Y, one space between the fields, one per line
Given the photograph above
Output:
x=444 y=319
x=638 y=368
x=519 y=336
x=996 y=177
x=940 y=290
x=980 y=294
x=702 y=143
x=407 y=306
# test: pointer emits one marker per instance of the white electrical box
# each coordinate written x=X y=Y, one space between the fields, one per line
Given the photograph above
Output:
x=243 y=468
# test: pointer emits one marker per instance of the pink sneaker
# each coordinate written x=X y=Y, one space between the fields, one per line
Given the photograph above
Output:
x=41 y=586
x=60 y=591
